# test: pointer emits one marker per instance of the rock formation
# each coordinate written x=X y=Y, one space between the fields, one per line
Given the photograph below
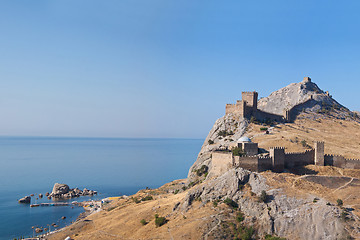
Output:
x=63 y=191
x=26 y=199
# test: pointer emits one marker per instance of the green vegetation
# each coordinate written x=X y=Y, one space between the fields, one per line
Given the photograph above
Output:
x=176 y=191
x=143 y=221
x=210 y=142
x=263 y=196
x=147 y=198
x=270 y=237
x=315 y=200
x=242 y=232
x=339 y=202
x=263 y=129
x=215 y=203
x=224 y=133
x=159 y=221
x=240 y=216
x=231 y=203
x=241 y=187
x=203 y=170
x=237 y=151
x=135 y=199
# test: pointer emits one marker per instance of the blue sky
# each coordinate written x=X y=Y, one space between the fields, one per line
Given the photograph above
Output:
x=163 y=68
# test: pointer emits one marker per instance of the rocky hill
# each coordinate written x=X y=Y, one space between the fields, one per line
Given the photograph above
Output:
x=312 y=202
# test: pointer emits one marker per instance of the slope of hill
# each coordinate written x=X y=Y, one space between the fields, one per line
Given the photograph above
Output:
x=302 y=203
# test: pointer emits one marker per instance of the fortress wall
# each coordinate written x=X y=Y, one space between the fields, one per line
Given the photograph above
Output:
x=237 y=108
x=248 y=162
x=264 y=163
x=299 y=159
x=334 y=160
x=220 y=163
x=295 y=110
x=262 y=116
x=352 y=163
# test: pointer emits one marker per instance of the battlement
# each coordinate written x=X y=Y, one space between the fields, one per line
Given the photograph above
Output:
x=296 y=153
x=332 y=155
x=283 y=148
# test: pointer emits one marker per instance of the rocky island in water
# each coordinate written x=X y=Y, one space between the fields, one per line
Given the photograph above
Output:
x=61 y=191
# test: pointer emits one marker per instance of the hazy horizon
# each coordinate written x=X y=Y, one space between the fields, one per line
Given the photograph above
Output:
x=163 y=69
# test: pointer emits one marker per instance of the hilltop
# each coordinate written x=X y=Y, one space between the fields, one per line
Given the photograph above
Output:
x=299 y=203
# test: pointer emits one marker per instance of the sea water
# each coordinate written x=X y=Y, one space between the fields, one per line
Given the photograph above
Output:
x=111 y=166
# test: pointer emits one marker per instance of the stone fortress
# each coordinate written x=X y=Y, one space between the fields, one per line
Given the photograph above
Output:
x=276 y=159
x=247 y=108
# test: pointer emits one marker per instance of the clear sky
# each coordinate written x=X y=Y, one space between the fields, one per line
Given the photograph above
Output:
x=164 y=68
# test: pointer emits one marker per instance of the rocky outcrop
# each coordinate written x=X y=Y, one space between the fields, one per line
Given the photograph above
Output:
x=280 y=215
x=63 y=191
x=298 y=93
x=26 y=199
x=226 y=131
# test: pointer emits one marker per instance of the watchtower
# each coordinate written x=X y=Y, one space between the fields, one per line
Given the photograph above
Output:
x=277 y=155
x=307 y=79
x=250 y=98
x=319 y=154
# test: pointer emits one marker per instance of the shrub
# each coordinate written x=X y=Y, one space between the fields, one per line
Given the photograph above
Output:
x=143 y=221
x=339 y=202
x=147 y=198
x=136 y=200
x=215 y=203
x=315 y=200
x=237 y=151
x=263 y=129
x=241 y=187
x=303 y=143
x=183 y=188
x=204 y=169
x=210 y=142
x=253 y=119
x=263 y=196
x=270 y=237
x=239 y=216
x=231 y=203
x=176 y=191
x=159 y=221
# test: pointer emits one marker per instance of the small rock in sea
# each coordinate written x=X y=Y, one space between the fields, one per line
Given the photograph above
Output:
x=47 y=194
x=40 y=195
x=26 y=199
x=45 y=229
x=63 y=217
x=49 y=197
x=32 y=195
x=38 y=230
x=55 y=226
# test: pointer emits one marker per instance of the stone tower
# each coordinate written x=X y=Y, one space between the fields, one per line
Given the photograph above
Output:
x=319 y=154
x=250 y=98
x=278 y=158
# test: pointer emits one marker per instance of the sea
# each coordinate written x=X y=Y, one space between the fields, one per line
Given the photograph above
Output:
x=110 y=166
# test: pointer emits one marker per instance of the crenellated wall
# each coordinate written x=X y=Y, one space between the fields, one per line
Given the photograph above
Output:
x=296 y=159
x=247 y=162
x=278 y=160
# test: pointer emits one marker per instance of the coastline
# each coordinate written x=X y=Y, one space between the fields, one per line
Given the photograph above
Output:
x=87 y=212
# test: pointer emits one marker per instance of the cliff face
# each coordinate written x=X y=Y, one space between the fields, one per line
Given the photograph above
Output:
x=225 y=131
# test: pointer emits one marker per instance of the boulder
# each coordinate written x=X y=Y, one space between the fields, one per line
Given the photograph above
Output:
x=60 y=189
x=47 y=194
x=26 y=199
x=40 y=195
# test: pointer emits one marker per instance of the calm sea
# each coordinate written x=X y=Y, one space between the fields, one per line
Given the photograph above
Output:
x=112 y=167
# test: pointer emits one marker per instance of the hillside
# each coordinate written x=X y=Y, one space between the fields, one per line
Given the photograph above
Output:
x=301 y=203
